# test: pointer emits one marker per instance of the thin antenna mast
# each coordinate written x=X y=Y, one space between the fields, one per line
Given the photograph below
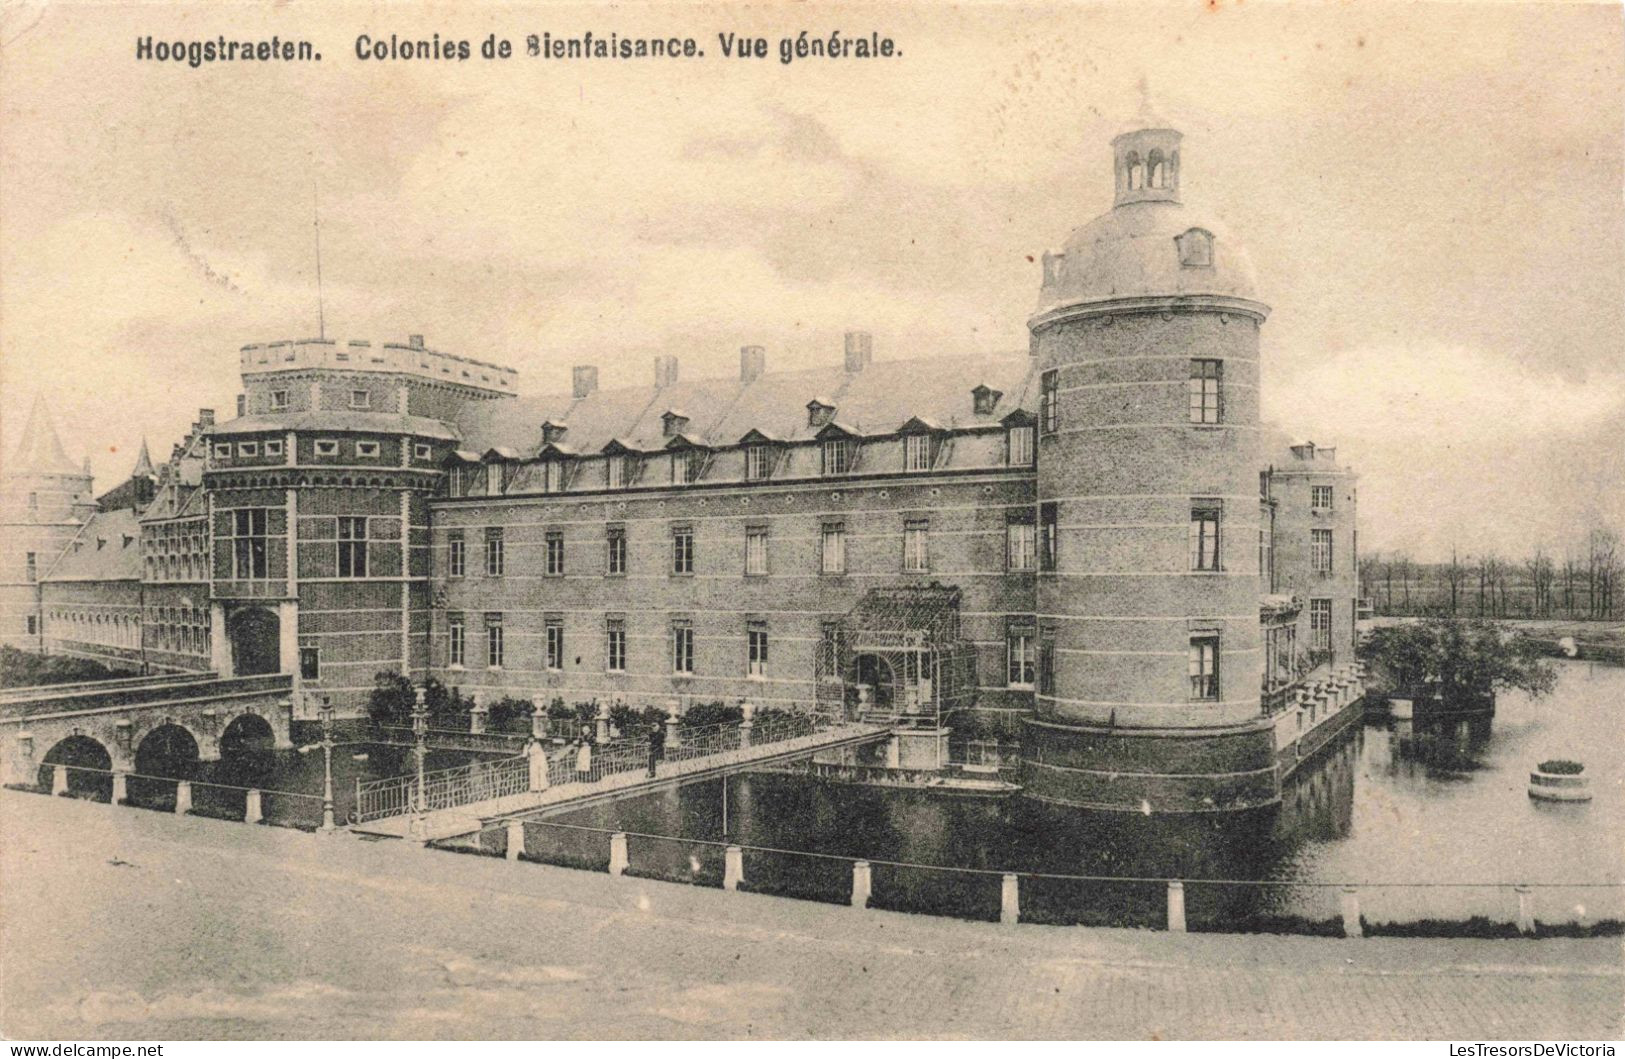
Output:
x=316 y=212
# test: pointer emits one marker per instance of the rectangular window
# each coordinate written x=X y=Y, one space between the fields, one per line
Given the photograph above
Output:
x=917 y=452
x=367 y=450
x=1320 y=497
x=493 y=479
x=756 y=663
x=1206 y=391
x=615 y=645
x=1049 y=537
x=1320 y=624
x=273 y=448
x=222 y=451
x=615 y=473
x=917 y=546
x=832 y=549
x=456 y=555
x=1049 y=405
x=1204 y=667
x=310 y=663
x=756 y=550
x=33 y=625
x=758 y=463
x=682 y=550
x=32 y=560
x=456 y=486
x=553 y=476
x=682 y=649
x=248 y=448
x=352 y=547
x=421 y=451
x=493 y=551
x=1022 y=657
x=837 y=456
x=1204 y=536
x=493 y=640
x=554 y=628
x=360 y=399
x=456 y=640
x=1020 y=546
x=682 y=465
x=326 y=447
x=279 y=400
x=615 y=549
x=1019 y=446
x=555 y=553
x=249 y=543
x=1320 y=550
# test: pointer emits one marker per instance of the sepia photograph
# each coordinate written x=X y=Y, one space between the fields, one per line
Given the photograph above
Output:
x=812 y=521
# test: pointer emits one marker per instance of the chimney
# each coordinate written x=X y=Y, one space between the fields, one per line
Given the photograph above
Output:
x=752 y=362
x=859 y=350
x=665 y=372
x=583 y=380
x=415 y=341
x=205 y=417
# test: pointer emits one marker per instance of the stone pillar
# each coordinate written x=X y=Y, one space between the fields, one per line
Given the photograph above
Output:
x=860 y=884
x=253 y=810
x=476 y=715
x=287 y=614
x=673 y=729
x=219 y=645
x=894 y=753
x=747 y=724
x=601 y=736
x=618 y=858
x=733 y=867
x=1010 y=900
x=183 y=797
x=538 y=719
x=59 y=779
x=121 y=790
x=1176 y=906
x=1351 y=913
x=536 y=753
x=516 y=839
x=1526 y=910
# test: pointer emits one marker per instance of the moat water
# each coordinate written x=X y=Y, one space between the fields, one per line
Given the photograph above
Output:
x=1389 y=803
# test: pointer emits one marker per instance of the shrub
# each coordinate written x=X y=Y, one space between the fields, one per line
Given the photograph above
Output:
x=1561 y=767
x=24 y=669
x=705 y=714
x=508 y=711
x=1462 y=662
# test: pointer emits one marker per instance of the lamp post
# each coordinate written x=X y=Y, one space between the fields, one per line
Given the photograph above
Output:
x=324 y=713
x=420 y=732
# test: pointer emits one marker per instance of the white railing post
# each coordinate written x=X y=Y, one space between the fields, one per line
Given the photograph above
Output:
x=183 y=797
x=733 y=867
x=1526 y=910
x=618 y=858
x=746 y=723
x=516 y=839
x=1176 y=906
x=1351 y=913
x=860 y=884
x=59 y=779
x=253 y=811
x=673 y=735
x=1010 y=900
x=121 y=786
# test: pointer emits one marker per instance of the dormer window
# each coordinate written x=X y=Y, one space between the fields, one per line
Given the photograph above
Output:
x=553 y=476
x=758 y=463
x=1195 y=248
x=553 y=432
x=673 y=423
x=917 y=454
x=838 y=456
x=1019 y=445
x=279 y=400
x=984 y=399
x=493 y=479
x=618 y=471
x=360 y=400
x=819 y=412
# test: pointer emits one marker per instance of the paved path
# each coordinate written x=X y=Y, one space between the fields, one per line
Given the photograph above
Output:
x=123 y=923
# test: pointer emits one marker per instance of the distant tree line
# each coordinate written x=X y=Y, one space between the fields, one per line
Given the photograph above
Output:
x=1583 y=582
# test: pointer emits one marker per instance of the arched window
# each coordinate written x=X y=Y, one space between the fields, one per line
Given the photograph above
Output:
x=1136 y=174
x=1156 y=173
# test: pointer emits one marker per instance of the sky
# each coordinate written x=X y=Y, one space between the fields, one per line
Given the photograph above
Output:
x=1431 y=196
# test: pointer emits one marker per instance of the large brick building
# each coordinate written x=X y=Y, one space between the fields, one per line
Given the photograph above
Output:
x=1095 y=539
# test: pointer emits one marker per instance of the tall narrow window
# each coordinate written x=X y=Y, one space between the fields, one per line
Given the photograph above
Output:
x=494 y=559
x=248 y=544
x=1049 y=537
x=33 y=567
x=493 y=479
x=493 y=640
x=917 y=452
x=456 y=554
x=615 y=470
x=310 y=658
x=682 y=649
x=758 y=463
x=1020 y=549
x=1320 y=497
x=917 y=546
x=456 y=639
x=756 y=550
x=1204 y=536
x=1204 y=667
x=1046 y=660
x=1049 y=410
x=682 y=550
x=1320 y=550
x=554 y=628
x=615 y=645
x=352 y=546
x=1320 y=624
x=1207 y=391
x=832 y=548
x=756 y=664
x=1019 y=446
x=615 y=549
x=837 y=456
x=828 y=666
x=555 y=553
x=553 y=476
x=1021 y=656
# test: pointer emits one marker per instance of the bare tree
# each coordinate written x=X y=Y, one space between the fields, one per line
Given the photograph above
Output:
x=1368 y=568
x=1455 y=575
x=1540 y=570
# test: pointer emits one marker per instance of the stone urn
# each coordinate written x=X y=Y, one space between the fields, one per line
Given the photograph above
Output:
x=1560 y=781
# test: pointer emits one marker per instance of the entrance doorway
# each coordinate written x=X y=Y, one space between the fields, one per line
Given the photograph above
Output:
x=256 y=642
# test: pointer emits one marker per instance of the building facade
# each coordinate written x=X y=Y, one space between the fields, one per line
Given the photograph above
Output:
x=1095 y=543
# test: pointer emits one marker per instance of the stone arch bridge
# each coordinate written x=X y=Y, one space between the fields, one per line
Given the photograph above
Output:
x=40 y=725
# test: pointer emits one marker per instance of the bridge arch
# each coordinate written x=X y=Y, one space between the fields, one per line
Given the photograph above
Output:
x=168 y=749
x=79 y=752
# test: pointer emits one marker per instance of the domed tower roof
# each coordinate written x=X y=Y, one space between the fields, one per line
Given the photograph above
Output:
x=1150 y=245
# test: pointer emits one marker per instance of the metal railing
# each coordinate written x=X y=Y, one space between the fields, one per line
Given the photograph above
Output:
x=453 y=739
x=477 y=781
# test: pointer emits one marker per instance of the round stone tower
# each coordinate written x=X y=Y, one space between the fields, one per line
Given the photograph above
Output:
x=1147 y=337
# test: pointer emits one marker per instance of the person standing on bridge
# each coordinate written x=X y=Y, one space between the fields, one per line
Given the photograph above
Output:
x=657 y=748
x=584 y=762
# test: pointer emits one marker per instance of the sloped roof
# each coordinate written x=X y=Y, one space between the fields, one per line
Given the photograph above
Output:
x=40 y=449
x=875 y=401
x=108 y=548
